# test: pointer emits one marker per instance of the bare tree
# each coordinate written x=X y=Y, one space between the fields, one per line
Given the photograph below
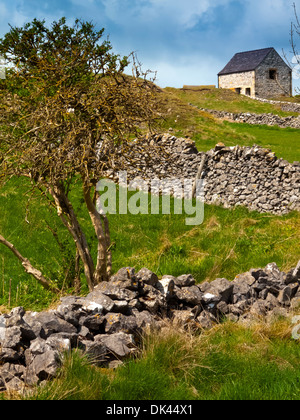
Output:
x=294 y=63
x=66 y=100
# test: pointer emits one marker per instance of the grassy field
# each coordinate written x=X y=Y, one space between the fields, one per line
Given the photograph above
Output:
x=229 y=362
x=226 y=100
x=207 y=131
x=283 y=141
x=228 y=242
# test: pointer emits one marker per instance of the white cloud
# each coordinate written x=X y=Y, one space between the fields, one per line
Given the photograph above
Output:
x=167 y=12
x=187 y=13
x=272 y=15
x=186 y=41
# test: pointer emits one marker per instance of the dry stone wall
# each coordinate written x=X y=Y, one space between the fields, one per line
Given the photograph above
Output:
x=249 y=176
x=257 y=119
x=284 y=105
x=107 y=324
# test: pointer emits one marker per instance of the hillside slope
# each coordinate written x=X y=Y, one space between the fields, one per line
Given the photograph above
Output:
x=231 y=361
x=182 y=120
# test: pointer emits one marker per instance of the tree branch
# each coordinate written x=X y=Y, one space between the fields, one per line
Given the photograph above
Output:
x=28 y=267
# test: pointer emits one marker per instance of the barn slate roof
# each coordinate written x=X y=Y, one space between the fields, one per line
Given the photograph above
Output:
x=245 y=61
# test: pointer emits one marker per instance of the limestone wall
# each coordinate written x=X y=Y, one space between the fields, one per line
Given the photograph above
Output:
x=241 y=80
x=248 y=176
x=256 y=119
x=268 y=88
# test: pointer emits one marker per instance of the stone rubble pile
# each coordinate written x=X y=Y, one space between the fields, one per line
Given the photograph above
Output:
x=107 y=325
x=249 y=176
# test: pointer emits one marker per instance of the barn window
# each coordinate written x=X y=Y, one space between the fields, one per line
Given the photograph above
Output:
x=273 y=74
x=238 y=90
x=248 y=91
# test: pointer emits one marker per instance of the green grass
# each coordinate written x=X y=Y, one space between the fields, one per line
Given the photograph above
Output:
x=185 y=120
x=284 y=142
x=226 y=100
x=25 y=222
x=207 y=131
x=227 y=243
x=230 y=362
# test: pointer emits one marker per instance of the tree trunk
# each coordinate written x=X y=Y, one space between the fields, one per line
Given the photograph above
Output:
x=108 y=243
x=67 y=215
x=77 y=283
x=101 y=271
x=199 y=173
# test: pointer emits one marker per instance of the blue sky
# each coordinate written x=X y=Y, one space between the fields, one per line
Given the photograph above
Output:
x=185 y=41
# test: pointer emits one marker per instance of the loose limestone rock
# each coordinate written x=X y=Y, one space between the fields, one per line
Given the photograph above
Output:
x=108 y=324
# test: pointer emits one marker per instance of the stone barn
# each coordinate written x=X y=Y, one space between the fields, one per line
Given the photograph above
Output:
x=262 y=73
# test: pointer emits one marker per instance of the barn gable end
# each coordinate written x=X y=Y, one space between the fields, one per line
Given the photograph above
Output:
x=261 y=73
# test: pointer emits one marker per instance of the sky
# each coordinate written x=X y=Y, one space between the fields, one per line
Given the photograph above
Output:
x=187 y=42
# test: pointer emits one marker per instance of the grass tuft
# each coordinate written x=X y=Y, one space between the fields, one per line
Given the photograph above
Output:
x=229 y=362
